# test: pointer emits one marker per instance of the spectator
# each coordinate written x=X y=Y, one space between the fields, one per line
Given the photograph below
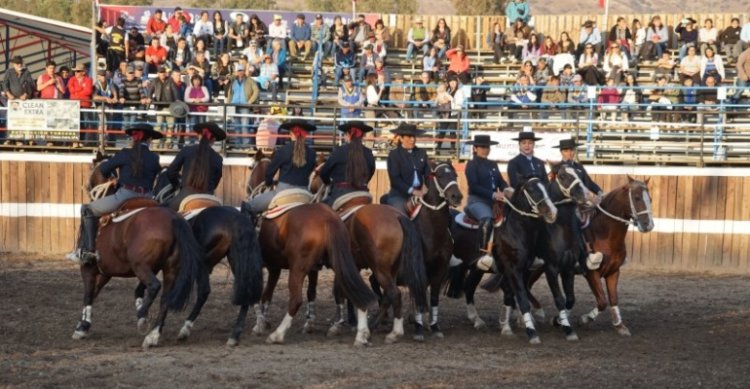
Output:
x=381 y=32
x=441 y=37
x=343 y=61
x=243 y=91
x=532 y=50
x=378 y=47
x=174 y=20
x=730 y=41
x=105 y=94
x=220 y=33
x=621 y=34
x=361 y=32
x=258 y=30
x=162 y=93
x=589 y=35
x=374 y=93
x=221 y=74
x=688 y=100
x=418 y=38
x=169 y=38
x=707 y=36
x=139 y=58
x=553 y=97
x=712 y=66
x=631 y=97
x=541 y=77
x=708 y=97
x=202 y=68
x=81 y=87
x=566 y=45
x=443 y=106
x=101 y=38
x=155 y=25
x=135 y=40
x=367 y=62
x=496 y=40
x=459 y=61
x=383 y=74
x=204 y=29
x=118 y=45
x=664 y=67
x=200 y=46
x=398 y=93
x=181 y=56
x=277 y=51
x=688 y=35
x=269 y=77
x=659 y=101
x=527 y=69
x=119 y=75
x=567 y=75
x=743 y=75
x=18 y=83
x=254 y=55
x=745 y=34
x=425 y=92
x=518 y=10
x=609 y=100
x=132 y=97
x=277 y=30
x=549 y=49
x=196 y=96
x=577 y=96
x=560 y=61
x=300 y=38
x=351 y=99
x=176 y=75
x=518 y=42
x=522 y=96
x=431 y=62
x=49 y=85
x=478 y=94
x=587 y=66
x=339 y=35
x=156 y=56
x=690 y=67
x=656 y=40
x=321 y=35
x=267 y=136
x=64 y=73
x=615 y=63
x=238 y=32
x=640 y=37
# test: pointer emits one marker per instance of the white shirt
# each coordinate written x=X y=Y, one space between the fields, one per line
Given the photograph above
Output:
x=203 y=28
x=279 y=31
x=705 y=35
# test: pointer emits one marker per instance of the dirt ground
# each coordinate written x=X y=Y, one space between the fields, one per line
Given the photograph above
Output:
x=688 y=331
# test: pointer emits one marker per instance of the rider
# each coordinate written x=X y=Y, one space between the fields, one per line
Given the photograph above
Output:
x=294 y=161
x=486 y=186
x=137 y=169
x=350 y=167
x=525 y=164
x=407 y=167
x=201 y=165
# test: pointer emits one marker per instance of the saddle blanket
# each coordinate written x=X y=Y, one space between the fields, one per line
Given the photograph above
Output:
x=280 y=210
x=465 y=221
x=126 y=215
x=187 y=215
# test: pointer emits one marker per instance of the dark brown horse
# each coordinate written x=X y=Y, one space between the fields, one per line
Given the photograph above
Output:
x=151 y=240
x=303 y=240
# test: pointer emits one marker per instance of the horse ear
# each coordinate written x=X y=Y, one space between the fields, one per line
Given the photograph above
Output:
x=630 y=179
x=647 y=180
x=259 y=155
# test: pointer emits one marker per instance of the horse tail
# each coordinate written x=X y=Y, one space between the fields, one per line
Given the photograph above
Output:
x=191 y=266
x=342 y=261
x=456 y=279
x=247 y=262
x=412 y=268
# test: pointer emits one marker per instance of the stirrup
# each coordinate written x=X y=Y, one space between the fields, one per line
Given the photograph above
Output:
x=88 y=257
x=485 y=262
x=538 y=263
x=74 y=256
x=594 y=260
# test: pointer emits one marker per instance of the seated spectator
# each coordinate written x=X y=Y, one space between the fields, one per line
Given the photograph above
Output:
x=431 y=63
x=196 y=96
x=361 y=31
x=351 y=99
x=238 y=32
x=517 y=44
x=254 y=55
x=201 y=46
x=441 y=37
x=135 y=40
x=609 y=100
x=707 y=36
x=269 y=77
x=552 y=97
x=169 y=38
x=399 y=93
x=156 y=56
x=730 y=41
x=615 y=63
x=202 y=68
x=589 y=36
x=688 y=35
x=712 y=66
x=661 y=100
x=155 y=25
x=459 y=61
x=204 y=28
x=549 y=49
x=367 y=61
x=339 y=35
x=690 y=67
x=258 y=31
x=518 y=10
x=220 y=33
x=139 y=58
x=566 y=45
x=418 y=38
x=587 y=67
x=49 y=85
x=321 y=35
x=639 y=37
x=567 y=76
x=277 y=51
x=381 y=32
x=242 y=92
x=560 y=61
x=181 y=56
x=378 y=47
x=425 y=92
x=277 y=31
x=708 y=97
x=300 y=40
x=383 y=74
x=657 y=37
x=577 y=98
x=496 y=40
x=541 y=73
x=343 y=61
x=532 y=50
x=527 y=70
x=664 y=67
x=375 y=93
x=632 y=96
x=689 y=100
x=522 y=97
x=621 y=34
x=221 y=74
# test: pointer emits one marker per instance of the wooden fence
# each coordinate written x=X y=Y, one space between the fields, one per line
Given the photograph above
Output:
x=702 y=221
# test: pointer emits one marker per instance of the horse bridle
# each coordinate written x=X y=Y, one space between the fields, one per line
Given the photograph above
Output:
x=633 y=212
x=534 y=204
x=441 y=190
x=262 y=186
x=566 y=190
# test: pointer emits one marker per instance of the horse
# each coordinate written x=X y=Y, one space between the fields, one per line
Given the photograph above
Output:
x=222 y=231
x=513 y=251
x=304 y=239
x=150 y=240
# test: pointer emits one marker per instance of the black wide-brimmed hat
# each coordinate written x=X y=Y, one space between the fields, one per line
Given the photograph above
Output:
x=358 y=124
x=304 y=124
x=523 y=135
x=179 y=109
x=408 y=129
x=482 y=140
x=147 y=129
x=214 y=128
x=567 y=144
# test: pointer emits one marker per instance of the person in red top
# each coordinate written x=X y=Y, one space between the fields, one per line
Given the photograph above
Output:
x=156 y=25
x=459 y=61
x=174 y=20
x=50 y=85
x=156 y=55
x=81 y=87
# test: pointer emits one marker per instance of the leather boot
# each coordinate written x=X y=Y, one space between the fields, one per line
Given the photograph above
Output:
x=90 y=224
x=485 y=261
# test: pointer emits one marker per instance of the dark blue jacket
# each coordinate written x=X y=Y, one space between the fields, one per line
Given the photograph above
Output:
x=519 y=168
x=122 y=161
x=288 y=173
x=402 y=164
x=334 y=170
x=183 y=160
x=484 y=178
x=584 y=176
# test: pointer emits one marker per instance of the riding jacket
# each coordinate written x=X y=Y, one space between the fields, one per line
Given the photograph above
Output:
x=585 y=178
x=123 y=161
x=407 y=170
x=484 y=178
x=288 y=173
x=334 y=170
x=521 y=167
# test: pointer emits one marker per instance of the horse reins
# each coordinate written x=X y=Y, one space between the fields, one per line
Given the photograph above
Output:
x=534 y=204
x=262 y=186
x=566 y=190
x=100 y=190
x=634 y=214
x=441 y=190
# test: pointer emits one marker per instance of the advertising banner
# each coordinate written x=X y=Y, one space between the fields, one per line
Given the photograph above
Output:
x=45 y=119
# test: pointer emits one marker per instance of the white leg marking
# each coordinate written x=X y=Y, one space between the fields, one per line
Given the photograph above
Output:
x=591 y=316
x=418 y=318
x=505 y=313
x=397 y=332
x=152 y=339
x=363 y=332
x=338 y=320
x=616 y=318
x=185 y=330
x=564 y=318
x=278 y=335
x=86 y=314
x=260 y=320
x=433 y=316
x=528 y=321
x=309 y=317
x=138 y=303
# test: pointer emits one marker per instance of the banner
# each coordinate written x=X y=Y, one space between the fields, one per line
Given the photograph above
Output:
x=507 y=148
x=46 y=119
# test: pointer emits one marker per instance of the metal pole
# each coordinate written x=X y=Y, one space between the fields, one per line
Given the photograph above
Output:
x=606 y=16
x=94 y=15
x=354 y=9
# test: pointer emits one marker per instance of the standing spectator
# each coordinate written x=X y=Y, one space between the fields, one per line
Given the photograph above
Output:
x=657 y=37
x=532 y=50
x=49 y=85
x=105 y=94
x=321 y=35
x=730 y=41
x=220 y=33
x=640 y=37
x=132 y=97
x=518 y=9
x=587 y=66
x=690 y=66
x=589 y=35
x=743 y=74
x=277 y=30
x=300 y=38
x=269 y=77
x=367 y=62
x=155 y=25
x=81 y=87
x=135 y=40
x=688 y=35
x=221 y=74
x=621 y=34
x=258 y=30
x=181 y=56
x=65 y=75
x=615 y=63
x=243 y=91
x=18 y=83
x=361 y=31
x=119 y=45
x=459 y=61
x=707 y=36
x=339 y=35
x=431 y=63
x=712 y=66
x=278 y=54
x=196 y=96
x=162 y=93
x=156 y=56
x=343 y=61
x=119 y=75
x=203 y=29
x=418 y=38
x=441 y=37
x=238 y=32
x=496 y=40
x=351 y=100
x=202 y=67
x=101 y=38
x=479 y=95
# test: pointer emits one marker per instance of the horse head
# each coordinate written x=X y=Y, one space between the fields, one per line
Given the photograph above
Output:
x=531 y=197
x=98 y=185
x=640 y=204
x=316 y=183
x=443 y=183
x=163 y=188
x=569 y=183
x=258 y=166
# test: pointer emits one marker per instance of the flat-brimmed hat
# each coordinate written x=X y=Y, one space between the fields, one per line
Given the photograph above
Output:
x=17 y=59
x=523 y=135
x=408 y=129
x=482 y=140
x=358 y=124
x=418 y=20
x=214 y=128
x=346 y=78
x=79 y=68
x=179 y=109
x=567 y=144
x=295 y=123
x=147 y=129
x=277 y=17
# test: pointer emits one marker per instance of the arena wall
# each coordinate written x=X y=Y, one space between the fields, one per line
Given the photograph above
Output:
x=701 y=216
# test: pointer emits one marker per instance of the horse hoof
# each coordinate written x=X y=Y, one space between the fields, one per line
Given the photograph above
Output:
x=307 y=328
x=539 y=314
x=142 y=325
x=438 y=335
x=334 y=330
x=479 y=324
x=572 y=337
x=506 y=331
x=232 y=342
x=78 y=335
x=535 y=340
x=275 y=338
x=184 y=332
x=151 y=340
x=419 y=338
x=258 y=330
x=361 y=343
x=391 y=338
x=622 y=330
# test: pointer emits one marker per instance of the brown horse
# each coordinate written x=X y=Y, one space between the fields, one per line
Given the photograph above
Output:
x=303 y=240
x=153 y=239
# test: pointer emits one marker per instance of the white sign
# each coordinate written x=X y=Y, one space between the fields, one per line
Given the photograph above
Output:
x=47 y=119
x=507 y=148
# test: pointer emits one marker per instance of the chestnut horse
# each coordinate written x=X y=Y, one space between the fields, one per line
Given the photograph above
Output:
x=153 y=239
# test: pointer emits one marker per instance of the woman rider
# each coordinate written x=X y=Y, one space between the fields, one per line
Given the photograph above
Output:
x=350 y=167
x=486 y=187
x=137 y=168
x=294 y=161
x=408 y=167
x=200 y=164
x=525 y=164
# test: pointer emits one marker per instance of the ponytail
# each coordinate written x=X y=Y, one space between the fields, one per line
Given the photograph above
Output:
x=299 y=157
x=135 y=164
x=200 y=167
x=356 y=167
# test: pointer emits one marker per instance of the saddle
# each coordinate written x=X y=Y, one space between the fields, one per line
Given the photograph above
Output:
x=191 y=206
x=285 y=200
x=127 y=209
x=348 y=204
x=468 y=221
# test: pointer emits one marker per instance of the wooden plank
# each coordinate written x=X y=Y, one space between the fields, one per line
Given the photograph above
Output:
x=729 y=210
x=33 y=192
x=679 y=214
x=53 y=172
x=4 y=198
x=69 y=231
x=21 y=178
x=717 y=240
x=744 y=248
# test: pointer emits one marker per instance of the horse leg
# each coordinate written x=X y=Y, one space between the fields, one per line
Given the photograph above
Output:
x=148 y=278
x=200 y=300
x=560 y=304
x=363 y=332
x=338 y=320
x=509 y=304
x=89 y=274
x=169 y=274
x=593 y=277
x=375 y=286
x=261 y=310
x=296 y=277
x=436 y=281
x=312 y=285
x=385 y=301
x=239 y=326
x=518 y=283
x=536 y=307
x=393 y=299
x=612 y=281
x=139 y=292
x=470 y=287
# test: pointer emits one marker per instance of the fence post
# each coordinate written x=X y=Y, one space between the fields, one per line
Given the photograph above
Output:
x=226 y=128
x=591 y=91
x=719 y=152
x=101 y=127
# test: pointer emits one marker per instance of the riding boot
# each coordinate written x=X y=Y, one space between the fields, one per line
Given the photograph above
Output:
x=88 y=243
x=75 y=255
x=485 y=261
